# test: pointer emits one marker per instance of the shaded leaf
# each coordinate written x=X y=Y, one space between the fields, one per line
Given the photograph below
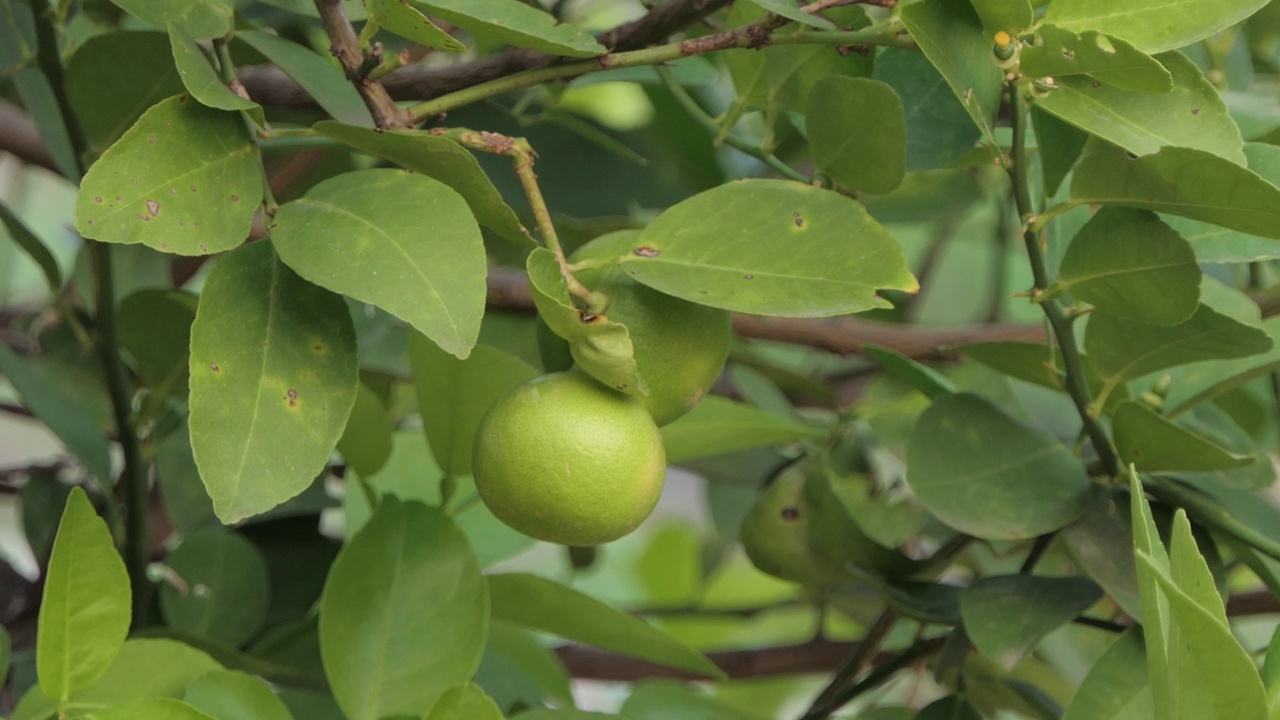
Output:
x=857 y=133
x=401 y=241
x=112 y=78
x=155 y=328
x=939 y=129
x=984 y=473
x=186 y=503
x=224 y=588
x=1202 y=382
x=1122 y=349
x=791 y=11
x=1215 y=244
x=1059 y=53
x=366 y=442
x=273 y=379
x=33 y=247
x=718 y=248
x=233 y=695
x=514 y=22
x=202 y=19
x=717 y=426
x=1006 y=15
x=1006 y=616
x=919 y=376
x=1152 y=443
x=1091 y=542
x=926 y=601
x=322 y=80
x=1060 y=144
x=401 y=18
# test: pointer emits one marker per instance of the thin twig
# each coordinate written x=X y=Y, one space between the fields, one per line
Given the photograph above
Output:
x=346 y=48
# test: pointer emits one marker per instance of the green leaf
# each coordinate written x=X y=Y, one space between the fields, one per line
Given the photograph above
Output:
x=1214 y=244
x=1152 y=443
x=1118 y=686
x=791 y=11
x=273 y=379
x=984 y=473
x=186 y=503
x=939 y=130
x=1149 y=553
x=420 y=258
x=928 y=381
x=599 y=345
x=926 y=601
x=1007 y=15
x=202 y=19
x=1006 y=616
x=63 y=415
x=518 y=667
x=152 y=709
x=717 y=426
x=1190 y=571
x=1060 y=53
x=19 y=55
x=465 y=702
x=565 y=714
x=548 y=606
x=442 y=159
x=1060 y=145
x=1128 y=263
x=201 y=79
x=404 y=613
x=224 y=588
x=950 y=34
x=857 y=133
x=1271 y=672
x=951 y=707
x=1123 y=350
x=143 y=668
x=514 y=22
x=185 y=179
x=720 y=248
x=84 y=611
x=322 y=80
x=6 y=652
x=33 y=247
x=401 y=18
x=112 y=78
x=233 y=695
x=1191 y=115
x=1091 y=543
x=155 y=328
x=668 y=699
x=1202 y=382
x=366 y=442
x=1152 y=25
x=1181 y=181
x=454 y=394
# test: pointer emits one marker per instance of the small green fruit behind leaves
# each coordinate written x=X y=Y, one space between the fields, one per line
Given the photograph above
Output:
x=679 y=347
x=776 y=534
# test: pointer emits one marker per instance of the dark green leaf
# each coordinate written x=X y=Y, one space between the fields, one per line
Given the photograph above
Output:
x=1060 y=53
x=114 y=77
x=221 y=589
x=939 y=129
x=791 y=11
x=1130 y=264
x=1123 y=350
x=925 y=601
x=64 y=416
x=273 y=379
x=718 y=425
x=1192 y=115
x=403 y=19
x=984 y=473
x=1152 y=443
x=949 y=708
x=519 y=668
x=201 y=79
x=1060 y=145
x=1006 y=616
x=666 y=700
x=401 y=241
x=921 y=377
x=203 y=19
x=33 y=247
x=718 y=248
x=1007 y=15
x=186 y=503
x=1181 y=181
x=366 y=442
x=1215 y=244
x=1092 y=541
x=20 y=56
x=322 y=80
x=85 y=610
x=454 y=394
x=857 y=133
x=404 y=613
x=1152 y=25
x=514 y=22
x=184 y=179
x=548 y=606
x=155 y=328
x=1204 y=381
x=233 y=695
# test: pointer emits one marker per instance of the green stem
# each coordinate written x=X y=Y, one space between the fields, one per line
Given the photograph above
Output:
x=727 y=40
x=695 y=111
x=1209 y=512
x=1074 y=382
x=1041 y=221
x=825 y=703
x=227 y=72
x=874 y=679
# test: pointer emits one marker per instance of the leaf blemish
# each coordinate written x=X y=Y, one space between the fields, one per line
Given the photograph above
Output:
x=235 y=198
x=153 y=207
x=97 y=199
x=133 y=181
x=151 y=139
x=292 y=397
x=318 y=347
x=790 y=513
x=214 y=367
x=1195 y=111
x=647 y=251
x=749 y=277
x=204 y=248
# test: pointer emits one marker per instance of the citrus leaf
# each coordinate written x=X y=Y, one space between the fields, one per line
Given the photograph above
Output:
x=548 y=606
x=225 y=588
x=1121 y=349
x=112 y=78
x=454 y=394
x=514 y=22
x=1214 y=244
x=404 y=613
x=1060 y=53
x=667 y=699
x=1006 y=616
x=273 y=379
x=234 y=695
x=1118 y=686
x=64 y=416
x=857 y=133
x=1129 y=263
x=939 y=130
x=720 y=248
x=322 y=80
x=465 y=702
x=1007 y=15
x=202 y=19
x=1201 y=382
x=1092 y=541
x=1181 y=181
x=950 y=34
x=717 y=426
x=984 y=473
x=1152 y=25
x=1191 y=115
x=1149 y=553
x=155 y=328
x=791 y=11
x=33 y=247
x=601 y=346
x=928 y=381
x=152 y=709
x=184 y=179
x=401 y=18
x=201 y=79
x=84 y=612
x=1060 y=146
x=31 y=78
x=442 y=159
x=1151 y=443
x=401 y=241
x=366 y=442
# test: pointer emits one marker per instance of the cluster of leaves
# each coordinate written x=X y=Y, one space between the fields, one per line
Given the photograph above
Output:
x=973 y=514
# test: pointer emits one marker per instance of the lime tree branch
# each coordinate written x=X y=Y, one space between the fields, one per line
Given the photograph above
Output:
x=1073 y=382
x=346 y=47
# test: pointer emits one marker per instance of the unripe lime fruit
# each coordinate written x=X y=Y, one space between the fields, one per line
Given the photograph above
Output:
x=565 y=459
x=680 y=347
x=775 y=534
